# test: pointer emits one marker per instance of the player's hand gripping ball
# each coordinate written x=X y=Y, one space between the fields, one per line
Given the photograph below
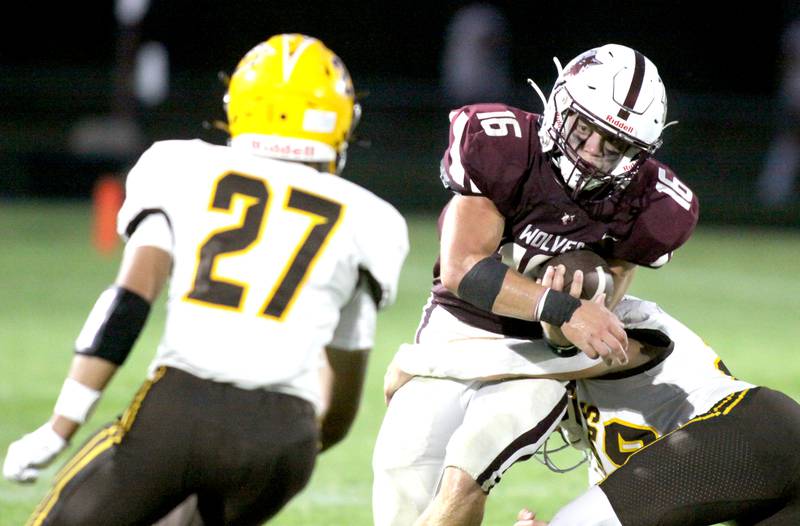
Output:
x=597 y=277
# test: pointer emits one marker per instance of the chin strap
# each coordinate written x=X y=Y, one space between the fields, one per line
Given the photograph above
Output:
x=545 y=455
x=573 y=433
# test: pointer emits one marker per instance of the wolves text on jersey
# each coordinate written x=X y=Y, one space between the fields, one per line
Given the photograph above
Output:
x=555 y=244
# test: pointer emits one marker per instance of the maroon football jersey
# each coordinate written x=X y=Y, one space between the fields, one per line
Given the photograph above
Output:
x=494 y=152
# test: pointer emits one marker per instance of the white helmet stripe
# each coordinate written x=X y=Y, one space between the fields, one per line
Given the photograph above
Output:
x=290 y=59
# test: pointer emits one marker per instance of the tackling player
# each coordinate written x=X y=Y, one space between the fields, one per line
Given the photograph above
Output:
x=276 y=270
x=674 y=439
x=528 y=187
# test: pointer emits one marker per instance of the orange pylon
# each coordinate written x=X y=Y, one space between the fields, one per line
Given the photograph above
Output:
x=107 y=197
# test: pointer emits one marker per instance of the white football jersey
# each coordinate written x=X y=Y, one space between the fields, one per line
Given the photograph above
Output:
x=268 y=258
x=629 y=410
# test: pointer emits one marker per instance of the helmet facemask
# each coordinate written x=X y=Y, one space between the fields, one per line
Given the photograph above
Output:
x=613 y=92
x=341 y=154
x=606 y=174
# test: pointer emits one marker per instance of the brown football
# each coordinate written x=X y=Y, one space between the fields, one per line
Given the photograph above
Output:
x=597 y=277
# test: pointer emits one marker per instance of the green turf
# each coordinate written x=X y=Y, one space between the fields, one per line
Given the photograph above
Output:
x=738 y=288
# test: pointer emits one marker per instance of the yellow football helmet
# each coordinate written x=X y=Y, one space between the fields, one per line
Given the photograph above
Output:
x=291 y=97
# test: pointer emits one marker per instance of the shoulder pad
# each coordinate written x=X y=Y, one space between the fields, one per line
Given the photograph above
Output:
x=667 y=221
x=490 y=150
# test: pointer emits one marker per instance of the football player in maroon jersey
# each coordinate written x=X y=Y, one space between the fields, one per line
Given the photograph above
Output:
x=526 y=188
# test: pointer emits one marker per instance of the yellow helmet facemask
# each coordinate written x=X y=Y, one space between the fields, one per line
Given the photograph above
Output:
x=292 y=98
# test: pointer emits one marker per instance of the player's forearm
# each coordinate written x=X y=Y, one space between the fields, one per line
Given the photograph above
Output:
x=65 y=427
x=347 y=375
x=91 y=371
x=483 y=360
x=109 y=333
x=493 y=286
x=80 y=393
x=337 y=423
x=623 y=272
x=518 y=297
x=469 y=267
x=467 y=360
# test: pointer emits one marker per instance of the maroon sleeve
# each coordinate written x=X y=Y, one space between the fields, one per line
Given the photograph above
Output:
x=668 y=220
x=489 y=153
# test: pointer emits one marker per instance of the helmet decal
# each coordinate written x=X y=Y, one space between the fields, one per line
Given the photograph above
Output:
x=586 y=60
x=319 y=121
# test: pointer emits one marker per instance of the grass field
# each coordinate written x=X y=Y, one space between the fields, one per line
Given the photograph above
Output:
x=738 y=288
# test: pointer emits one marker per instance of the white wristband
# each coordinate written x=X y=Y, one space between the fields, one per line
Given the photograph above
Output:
x=537 y=310
x=76 y=401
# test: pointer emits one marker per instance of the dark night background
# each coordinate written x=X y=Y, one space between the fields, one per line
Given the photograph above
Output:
x=698 y=46
x=721 y=66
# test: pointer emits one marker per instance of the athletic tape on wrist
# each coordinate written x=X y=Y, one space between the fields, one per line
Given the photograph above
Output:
x=481 y=285
x=555 y=307
x=76 y=401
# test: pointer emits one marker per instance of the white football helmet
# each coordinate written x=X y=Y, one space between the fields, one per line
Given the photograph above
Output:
x=617 y=92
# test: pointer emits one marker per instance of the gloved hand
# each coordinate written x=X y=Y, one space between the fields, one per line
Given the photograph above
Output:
x=34 y=451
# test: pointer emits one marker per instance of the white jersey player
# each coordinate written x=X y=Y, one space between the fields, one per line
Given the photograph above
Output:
x=276 y=270
x=626 y=410
x=266 y=256
x=678 y=441
x=673 y=377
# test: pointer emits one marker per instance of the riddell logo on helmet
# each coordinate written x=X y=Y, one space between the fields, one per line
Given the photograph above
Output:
x=286 y=150
x=622 y=125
